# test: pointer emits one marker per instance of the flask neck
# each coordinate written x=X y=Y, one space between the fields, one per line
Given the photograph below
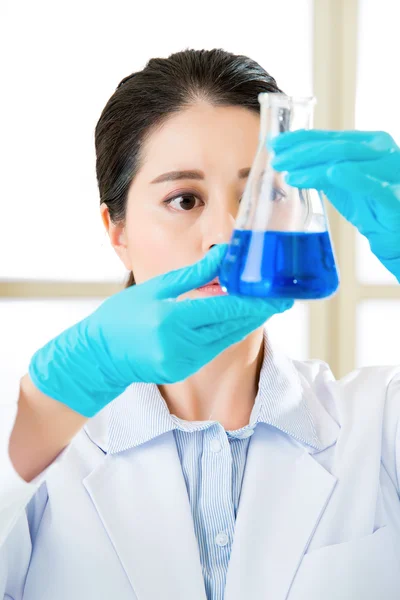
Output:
x=284 y=114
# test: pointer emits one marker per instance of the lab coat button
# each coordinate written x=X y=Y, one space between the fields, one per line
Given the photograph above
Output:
x=215 y=445
x=221 y=539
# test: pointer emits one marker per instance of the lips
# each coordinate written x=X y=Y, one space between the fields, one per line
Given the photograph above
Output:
x=213 y=282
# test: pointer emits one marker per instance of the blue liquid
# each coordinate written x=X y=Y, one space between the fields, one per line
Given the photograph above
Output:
x=279 y=264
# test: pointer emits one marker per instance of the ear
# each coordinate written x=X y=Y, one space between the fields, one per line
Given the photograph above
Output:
x=117 y=236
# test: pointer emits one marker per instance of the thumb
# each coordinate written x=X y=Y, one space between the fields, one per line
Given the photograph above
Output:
x=177 y=282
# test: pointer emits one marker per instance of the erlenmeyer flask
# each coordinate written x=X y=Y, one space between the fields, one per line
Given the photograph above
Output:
x=280 y=246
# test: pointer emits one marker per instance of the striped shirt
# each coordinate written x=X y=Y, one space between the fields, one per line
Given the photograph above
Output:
x=213 y=460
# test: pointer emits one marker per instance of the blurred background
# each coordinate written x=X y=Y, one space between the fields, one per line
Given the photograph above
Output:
x=61 y=63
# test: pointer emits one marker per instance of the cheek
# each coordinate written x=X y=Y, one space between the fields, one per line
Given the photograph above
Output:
x=155 y=249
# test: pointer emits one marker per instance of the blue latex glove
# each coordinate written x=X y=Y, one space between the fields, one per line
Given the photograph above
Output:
x=142 y=334
x=359 y=171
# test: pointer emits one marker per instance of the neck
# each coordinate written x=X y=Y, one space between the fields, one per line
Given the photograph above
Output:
x=224 y=389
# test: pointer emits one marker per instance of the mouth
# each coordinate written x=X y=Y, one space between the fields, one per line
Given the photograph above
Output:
x=213 y=288
x=210 y=283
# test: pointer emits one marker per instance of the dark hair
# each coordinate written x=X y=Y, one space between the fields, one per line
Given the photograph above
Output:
x=144 y=100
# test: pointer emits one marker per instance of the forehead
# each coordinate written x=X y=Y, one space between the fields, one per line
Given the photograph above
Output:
x=201 y=134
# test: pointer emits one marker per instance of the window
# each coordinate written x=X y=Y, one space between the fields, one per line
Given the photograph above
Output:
x=377 y=101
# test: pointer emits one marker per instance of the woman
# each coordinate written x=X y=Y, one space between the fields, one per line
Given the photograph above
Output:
x=162 y=448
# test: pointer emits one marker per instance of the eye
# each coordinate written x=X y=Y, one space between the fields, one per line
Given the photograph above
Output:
x=278 y=194
x=185 y=201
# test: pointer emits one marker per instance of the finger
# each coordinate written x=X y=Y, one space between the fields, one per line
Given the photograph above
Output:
x=209 y=335
x=177 y=282
x=288 y=139
x=223 y=309
x=313 y=154
x=347 y=177
x=233 y=336
x=313 y=177
x=219 y=331
x=317 y=176
x=237 y=334
x=213 y=345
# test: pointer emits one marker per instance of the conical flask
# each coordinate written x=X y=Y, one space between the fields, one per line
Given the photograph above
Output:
x=280 y=246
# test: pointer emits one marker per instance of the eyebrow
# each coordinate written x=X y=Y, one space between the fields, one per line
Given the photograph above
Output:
x=192 y=174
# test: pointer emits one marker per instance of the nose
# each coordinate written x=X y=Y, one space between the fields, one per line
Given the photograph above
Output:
x=222 y=241
x=220 y=230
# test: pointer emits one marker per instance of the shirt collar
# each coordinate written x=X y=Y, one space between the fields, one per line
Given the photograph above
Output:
x=285 y=400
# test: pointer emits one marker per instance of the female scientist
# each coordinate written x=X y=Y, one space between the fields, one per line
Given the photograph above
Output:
x=162 y=447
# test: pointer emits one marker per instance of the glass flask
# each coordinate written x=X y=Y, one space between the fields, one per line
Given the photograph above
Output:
x=280 y=246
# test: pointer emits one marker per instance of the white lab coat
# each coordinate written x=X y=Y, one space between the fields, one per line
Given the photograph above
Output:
x=311 y=525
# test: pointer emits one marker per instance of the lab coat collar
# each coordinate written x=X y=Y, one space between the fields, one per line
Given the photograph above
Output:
x=285 y=400
x=141 y=499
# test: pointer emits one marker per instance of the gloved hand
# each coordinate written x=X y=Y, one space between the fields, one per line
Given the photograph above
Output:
x=359 y=171
x=142 y=334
